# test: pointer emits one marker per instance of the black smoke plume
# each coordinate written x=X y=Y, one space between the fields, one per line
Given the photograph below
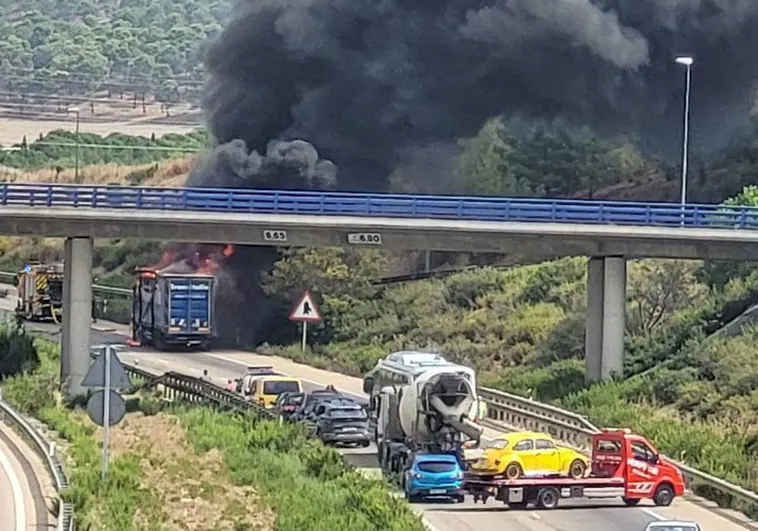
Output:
x=374 y=83
x=368 y=82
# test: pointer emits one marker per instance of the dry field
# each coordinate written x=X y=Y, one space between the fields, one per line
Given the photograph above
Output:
x=101 y=116
x=170 y=173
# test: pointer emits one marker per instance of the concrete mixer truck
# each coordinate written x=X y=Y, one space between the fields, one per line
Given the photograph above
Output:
x=421 y=403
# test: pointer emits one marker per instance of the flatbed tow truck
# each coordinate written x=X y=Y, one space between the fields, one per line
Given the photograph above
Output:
x=624 y=465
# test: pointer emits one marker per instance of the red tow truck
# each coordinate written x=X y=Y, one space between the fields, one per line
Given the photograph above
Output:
x=624 y=465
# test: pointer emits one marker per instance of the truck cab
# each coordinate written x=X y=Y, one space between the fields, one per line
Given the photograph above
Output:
x=619 y=453
x=40 y=292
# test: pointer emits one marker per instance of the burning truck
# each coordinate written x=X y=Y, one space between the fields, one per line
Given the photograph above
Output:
x=174 y=301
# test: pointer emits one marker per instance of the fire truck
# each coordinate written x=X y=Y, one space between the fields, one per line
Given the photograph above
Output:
x=40 y=292
x=624 y=465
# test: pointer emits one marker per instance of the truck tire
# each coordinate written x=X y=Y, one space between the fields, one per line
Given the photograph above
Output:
x=664 y=495
x=158 y=342
x=518 y=506
x=548 y=498
x=630 y=502
x=513 y=471
x=577 y=469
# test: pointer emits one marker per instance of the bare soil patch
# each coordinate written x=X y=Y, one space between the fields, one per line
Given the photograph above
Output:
x=196 y=490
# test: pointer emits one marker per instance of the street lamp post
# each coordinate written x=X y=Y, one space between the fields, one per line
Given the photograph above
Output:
x=687 y=61
x=75 y=110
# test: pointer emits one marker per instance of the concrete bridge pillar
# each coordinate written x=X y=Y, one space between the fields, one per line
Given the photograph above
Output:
x=66 y=317
x=606 y=318
x=77 y=315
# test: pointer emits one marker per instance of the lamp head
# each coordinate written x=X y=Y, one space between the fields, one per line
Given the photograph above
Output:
x=685 y=60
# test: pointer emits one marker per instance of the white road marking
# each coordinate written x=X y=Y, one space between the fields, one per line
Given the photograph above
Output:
x=535 y=516
x=654 y=514
x=18 y=493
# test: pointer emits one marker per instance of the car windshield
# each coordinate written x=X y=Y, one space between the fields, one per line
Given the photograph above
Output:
x=436 y=467
x=277 y=387
x=294 y=400
x=347 y=413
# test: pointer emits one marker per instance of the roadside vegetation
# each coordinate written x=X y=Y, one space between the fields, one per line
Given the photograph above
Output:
x=693 y=392
x=57 y=151
x=194 y=468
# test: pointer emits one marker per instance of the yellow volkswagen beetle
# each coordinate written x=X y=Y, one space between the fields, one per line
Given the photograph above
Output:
x=514 y=455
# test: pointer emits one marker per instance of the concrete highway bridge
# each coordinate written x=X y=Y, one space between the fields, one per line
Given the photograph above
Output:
x=608 y=232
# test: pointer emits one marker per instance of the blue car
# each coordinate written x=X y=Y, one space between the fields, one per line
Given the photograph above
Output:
x=432 y=475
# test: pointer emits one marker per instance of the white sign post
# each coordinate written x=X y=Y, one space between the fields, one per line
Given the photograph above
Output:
x=106 y=408
x=106 y=411
x=305 y=311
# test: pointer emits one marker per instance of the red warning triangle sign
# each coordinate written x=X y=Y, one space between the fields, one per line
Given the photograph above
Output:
x=306 y=310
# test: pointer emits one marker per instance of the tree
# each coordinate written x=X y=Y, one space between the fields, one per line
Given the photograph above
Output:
x=99 y=44
x=484 y=165
x=331 y=271
x=539 y=158
x=719 y=273
x=658 y=288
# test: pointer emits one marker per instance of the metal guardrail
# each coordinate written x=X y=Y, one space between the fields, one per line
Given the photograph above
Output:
x=379 y=205
x=506 y=409
x=9 y=276
x=174 y=385
x=522 y=413
x=54 y=466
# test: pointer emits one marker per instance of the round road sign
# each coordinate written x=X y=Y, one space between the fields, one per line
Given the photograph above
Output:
x=96 y=404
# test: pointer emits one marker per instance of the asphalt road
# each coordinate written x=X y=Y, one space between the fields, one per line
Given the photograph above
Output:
x=572 y=515
x=12 y=501
x=22 y=504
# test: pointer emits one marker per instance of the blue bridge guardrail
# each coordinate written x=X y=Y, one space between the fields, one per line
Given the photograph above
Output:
x=379 y=205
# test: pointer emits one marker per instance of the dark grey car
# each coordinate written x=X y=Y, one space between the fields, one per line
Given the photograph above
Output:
x=343 y=423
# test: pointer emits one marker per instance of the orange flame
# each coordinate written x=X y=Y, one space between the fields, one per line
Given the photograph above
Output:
x=201 y=259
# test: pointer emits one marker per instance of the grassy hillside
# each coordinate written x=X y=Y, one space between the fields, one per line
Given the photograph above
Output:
x=523 y=329
x=80 y=46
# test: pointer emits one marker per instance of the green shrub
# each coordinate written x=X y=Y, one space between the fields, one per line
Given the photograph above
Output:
x=305 y=482
x=17 y=351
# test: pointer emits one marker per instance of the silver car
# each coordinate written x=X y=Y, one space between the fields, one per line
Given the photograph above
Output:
x=672 y=525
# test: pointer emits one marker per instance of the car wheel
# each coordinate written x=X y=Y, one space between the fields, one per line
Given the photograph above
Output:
x=577 y=469
x=460 y=498
x=513 y=471
x=663 y=496
x=366 y=444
